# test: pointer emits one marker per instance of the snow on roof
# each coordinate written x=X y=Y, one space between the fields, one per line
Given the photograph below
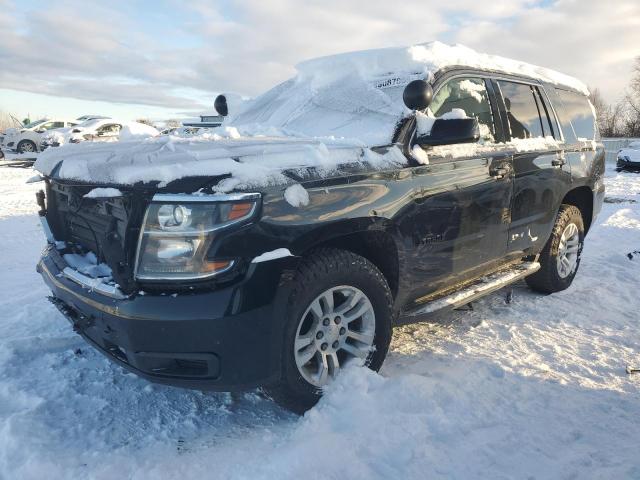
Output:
x=359 y=94
x=424 y=58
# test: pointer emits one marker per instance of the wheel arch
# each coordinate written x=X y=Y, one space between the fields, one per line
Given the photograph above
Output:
x=372 y=241
x=582 y=199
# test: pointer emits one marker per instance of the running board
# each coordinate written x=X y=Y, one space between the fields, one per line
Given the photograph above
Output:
x=477 y=289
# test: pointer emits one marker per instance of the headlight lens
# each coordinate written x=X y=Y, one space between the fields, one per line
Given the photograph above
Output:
x=179 y=229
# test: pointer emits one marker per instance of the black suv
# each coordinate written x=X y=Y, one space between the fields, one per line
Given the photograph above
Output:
x=495 y=177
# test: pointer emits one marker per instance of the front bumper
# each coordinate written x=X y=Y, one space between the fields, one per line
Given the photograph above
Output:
x=226 y=339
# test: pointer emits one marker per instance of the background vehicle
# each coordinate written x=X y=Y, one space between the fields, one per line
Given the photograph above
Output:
x=289 y=257
x=96 y=130
x=29 y=138
x=629 y=158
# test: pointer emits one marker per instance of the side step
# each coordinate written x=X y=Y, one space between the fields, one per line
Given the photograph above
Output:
x=477 y=289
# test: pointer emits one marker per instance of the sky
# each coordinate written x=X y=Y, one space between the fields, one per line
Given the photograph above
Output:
x=169 y=59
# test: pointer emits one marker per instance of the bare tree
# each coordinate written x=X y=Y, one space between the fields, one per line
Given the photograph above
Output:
x=632 y=104
x=7 y=121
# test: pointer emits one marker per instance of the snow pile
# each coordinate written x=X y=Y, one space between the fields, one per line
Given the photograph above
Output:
x=103 y=193
x=296 y=195
x=136 y=130
x=57 y=136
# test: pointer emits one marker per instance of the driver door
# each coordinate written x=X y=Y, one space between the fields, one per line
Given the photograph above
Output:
x=461 y=216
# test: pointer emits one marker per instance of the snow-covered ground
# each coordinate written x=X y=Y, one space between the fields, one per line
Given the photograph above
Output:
x=533 y=389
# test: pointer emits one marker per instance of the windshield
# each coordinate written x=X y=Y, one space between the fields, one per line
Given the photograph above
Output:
x=350 y=107
x=35 y=123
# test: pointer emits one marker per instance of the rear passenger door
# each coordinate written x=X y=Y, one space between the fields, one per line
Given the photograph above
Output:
x=541 y=174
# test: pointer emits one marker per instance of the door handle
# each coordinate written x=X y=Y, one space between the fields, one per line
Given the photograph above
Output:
x=500 y=171
x=559 y=161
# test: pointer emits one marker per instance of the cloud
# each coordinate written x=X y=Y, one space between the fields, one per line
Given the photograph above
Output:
x=179 y=53
x=593 y=40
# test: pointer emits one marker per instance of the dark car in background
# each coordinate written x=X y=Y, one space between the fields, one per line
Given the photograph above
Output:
x=629 y=158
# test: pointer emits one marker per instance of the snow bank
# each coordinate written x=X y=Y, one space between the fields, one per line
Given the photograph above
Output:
x=134 y=130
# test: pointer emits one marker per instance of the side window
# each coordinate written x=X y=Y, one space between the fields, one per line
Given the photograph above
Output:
x=577 y=109
x=525 y=110
x=468 y=94
x=56 y=125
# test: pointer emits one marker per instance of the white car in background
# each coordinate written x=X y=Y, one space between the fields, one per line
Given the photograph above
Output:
x=29 y=138
x=97 y=130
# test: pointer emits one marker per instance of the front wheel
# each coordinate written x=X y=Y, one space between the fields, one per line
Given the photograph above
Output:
x=339 y=313
x=560 y=257
x=26 y=146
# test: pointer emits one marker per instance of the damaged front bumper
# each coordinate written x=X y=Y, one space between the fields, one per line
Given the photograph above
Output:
x=223 y=339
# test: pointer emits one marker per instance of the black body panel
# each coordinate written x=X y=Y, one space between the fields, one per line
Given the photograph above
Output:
x=428 y=227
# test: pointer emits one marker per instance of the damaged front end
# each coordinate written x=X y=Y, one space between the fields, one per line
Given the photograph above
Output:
x=94 y=236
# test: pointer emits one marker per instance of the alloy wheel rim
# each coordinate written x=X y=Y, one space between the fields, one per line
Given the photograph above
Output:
x=27 y=147
x=338 y=328
x=568 y=251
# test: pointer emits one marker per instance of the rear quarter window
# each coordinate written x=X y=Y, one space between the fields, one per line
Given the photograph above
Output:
x=576 y=110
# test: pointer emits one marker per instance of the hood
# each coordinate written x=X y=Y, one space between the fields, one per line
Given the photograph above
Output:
x=243 y=161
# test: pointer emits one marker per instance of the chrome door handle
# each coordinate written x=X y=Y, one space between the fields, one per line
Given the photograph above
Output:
x=559 y=161
x=500 y=171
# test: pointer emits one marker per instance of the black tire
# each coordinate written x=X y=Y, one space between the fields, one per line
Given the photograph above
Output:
x=548 y=278
x=322 y=270
x=23 y=144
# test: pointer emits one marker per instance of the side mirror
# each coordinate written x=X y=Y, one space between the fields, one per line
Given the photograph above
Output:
x=449 y=132
x=417 y=95
x=220 y=104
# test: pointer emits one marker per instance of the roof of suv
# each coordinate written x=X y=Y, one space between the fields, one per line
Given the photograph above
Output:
x=426 y=59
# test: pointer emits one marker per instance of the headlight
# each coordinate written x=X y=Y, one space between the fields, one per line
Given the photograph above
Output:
x=178 y=231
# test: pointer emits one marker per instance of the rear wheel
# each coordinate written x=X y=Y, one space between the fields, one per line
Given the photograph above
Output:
x=560 y=257
x=26 y=146
x=339 y=313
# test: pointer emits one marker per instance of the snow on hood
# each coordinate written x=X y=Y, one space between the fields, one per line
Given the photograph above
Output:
x=250 y=160
x=359 y=94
